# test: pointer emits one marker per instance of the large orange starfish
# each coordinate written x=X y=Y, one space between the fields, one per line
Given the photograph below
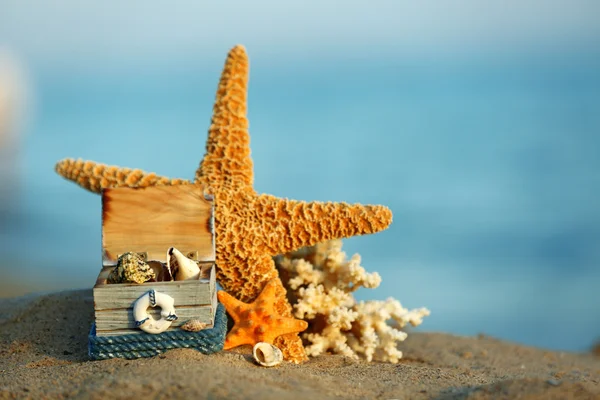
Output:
x=250 y=228
x=258 y=321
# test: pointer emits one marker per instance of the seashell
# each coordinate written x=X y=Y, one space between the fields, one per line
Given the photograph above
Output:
x=162 y=272
x=131 y=268
x=193 y=325
x=180 y=266
x=267 y=355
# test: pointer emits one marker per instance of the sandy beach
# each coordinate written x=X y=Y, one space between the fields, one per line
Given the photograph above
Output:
x=43 y=354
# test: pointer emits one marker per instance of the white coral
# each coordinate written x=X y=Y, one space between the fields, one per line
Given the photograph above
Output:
x=330 y=339
x=322 y=280
x=379 y=340
x=316 y=300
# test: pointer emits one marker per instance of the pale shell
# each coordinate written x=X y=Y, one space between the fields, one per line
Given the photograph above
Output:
x=267 y=355
x=193 y=325
x=180 y=266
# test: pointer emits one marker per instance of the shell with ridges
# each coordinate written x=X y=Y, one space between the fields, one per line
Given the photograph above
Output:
x=131 y=268
x=193 y=325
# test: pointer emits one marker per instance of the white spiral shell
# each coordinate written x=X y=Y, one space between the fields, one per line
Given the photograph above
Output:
x=267 y=355
x=180 y=266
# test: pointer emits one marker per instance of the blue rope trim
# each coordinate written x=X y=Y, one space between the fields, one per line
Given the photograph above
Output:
x=152 y=298
x=132 y=346
x=171 y=317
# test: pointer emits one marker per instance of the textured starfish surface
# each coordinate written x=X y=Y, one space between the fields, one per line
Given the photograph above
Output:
x=258 y=321
x=250 y=228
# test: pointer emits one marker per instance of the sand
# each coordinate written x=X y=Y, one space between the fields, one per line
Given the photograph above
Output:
x=43 y=354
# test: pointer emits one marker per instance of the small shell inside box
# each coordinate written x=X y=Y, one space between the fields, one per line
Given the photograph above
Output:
x=149 y=221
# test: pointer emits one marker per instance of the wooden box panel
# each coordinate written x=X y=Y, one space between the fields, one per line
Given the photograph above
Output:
x=113 y=303
x=150 y=220
x=117 y=322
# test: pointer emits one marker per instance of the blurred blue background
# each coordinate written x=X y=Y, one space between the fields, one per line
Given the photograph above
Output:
x=478 y=123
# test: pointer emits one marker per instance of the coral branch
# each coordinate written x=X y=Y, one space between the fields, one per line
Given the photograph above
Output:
x=322 y=281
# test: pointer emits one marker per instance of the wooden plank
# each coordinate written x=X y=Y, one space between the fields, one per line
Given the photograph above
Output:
x=213 y=287
x=108 y=320
x=205 y=274
x=185 y=293
x=155 y=218
x=207 y=270
x=119 y=332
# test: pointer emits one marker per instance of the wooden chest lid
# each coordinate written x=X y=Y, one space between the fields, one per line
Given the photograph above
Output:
x=150 y=220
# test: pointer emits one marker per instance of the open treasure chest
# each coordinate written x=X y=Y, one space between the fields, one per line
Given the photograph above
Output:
x=157 y=286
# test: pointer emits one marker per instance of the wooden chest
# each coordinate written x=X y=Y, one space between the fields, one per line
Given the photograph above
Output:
x=149 y=221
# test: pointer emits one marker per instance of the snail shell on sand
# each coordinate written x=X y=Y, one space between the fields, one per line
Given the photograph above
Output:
x=180 y=266
x=267 y=355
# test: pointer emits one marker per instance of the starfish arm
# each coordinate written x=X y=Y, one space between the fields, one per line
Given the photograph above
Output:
x=227 y=159
x=285 y=326
x=271 y=290
x=233 y=306
x=290 y=224
x=237 y=337
x=95 y=177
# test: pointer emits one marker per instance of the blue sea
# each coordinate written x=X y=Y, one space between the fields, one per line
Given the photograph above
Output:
x=492 y=171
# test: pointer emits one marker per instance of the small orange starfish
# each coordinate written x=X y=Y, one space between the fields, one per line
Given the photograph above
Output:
x=258 y=321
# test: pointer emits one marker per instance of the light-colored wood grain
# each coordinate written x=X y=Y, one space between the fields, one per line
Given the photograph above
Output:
x=119 y=332
x=205 y=273
x=135 y=331
x=184 y=293
x=213 y=284
x=109 y=320
x=155 y=218
x=150 y=220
